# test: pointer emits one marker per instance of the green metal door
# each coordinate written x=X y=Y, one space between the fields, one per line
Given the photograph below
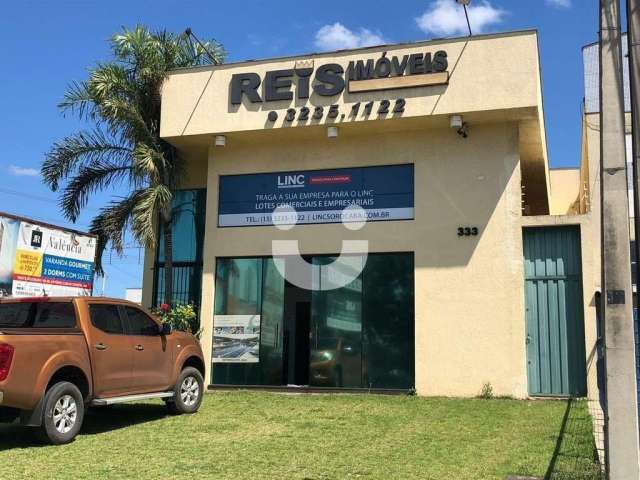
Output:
x=554 y=311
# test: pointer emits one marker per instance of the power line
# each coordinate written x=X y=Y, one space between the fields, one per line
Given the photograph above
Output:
x=39 y=198
x=129 y=274
x=26 y=195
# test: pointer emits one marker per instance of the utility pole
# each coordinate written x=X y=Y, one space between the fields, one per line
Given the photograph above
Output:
x=621 y=408
x=633 y=39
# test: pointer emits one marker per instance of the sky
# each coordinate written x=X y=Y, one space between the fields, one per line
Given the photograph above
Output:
x=45 y=45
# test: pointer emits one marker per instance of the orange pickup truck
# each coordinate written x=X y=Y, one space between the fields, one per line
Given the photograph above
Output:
x=59 y=356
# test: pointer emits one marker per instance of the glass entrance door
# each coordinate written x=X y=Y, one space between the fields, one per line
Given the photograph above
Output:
x=336 y=328
x=360 y=335
x=271 y=335
x=248 y=322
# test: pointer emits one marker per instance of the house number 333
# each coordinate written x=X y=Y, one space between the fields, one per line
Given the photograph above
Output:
x=467 y=231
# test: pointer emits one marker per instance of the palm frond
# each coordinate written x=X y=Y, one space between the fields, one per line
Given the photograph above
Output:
x=82 y=148
x=190 y=53
x=112 y=221
x=132 y=46
x=153 y=201
x=124 y=118
x=110 y=80
x=149 y=163
x=78 y=100
x=88 y=180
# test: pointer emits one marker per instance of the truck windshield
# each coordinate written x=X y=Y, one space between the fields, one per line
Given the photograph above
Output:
x=37 y=315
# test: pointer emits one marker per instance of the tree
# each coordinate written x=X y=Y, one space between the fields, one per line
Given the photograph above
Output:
x=121 y=100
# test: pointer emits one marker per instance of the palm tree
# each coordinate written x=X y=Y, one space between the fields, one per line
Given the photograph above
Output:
x=121 y=99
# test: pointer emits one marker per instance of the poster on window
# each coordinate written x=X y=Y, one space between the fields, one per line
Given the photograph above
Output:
x=40 y=260
x=236 y=338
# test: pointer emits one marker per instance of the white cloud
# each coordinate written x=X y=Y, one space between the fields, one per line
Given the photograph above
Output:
x=338 y=37
x=23 y=172
x=446 y=17
x=559 y=3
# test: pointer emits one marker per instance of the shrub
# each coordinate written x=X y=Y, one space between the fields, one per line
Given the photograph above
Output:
x=181 y=317
x=486 y=392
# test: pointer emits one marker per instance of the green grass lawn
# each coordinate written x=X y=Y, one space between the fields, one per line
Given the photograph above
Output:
x=243 y=435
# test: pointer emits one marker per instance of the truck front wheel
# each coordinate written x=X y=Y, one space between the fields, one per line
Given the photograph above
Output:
x=63 y=414
x=188 y=392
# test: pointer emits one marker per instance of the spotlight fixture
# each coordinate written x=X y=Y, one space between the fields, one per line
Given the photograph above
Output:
x=221 y=141
x=332 y=132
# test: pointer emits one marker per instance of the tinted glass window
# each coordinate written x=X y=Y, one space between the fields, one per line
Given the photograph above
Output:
x=106 y=318
x=15 y=315
x=388 y=318
x=188 y=217
x=140 y=323
x=54 y=315
x=37 y=315
x=238 y=286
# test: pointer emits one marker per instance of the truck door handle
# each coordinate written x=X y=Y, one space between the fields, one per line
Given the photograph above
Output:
x=139 y=348
x=100 y=346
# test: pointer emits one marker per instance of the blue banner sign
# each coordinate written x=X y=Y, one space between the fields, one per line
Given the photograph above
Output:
x=69 y=270
x=318 y=196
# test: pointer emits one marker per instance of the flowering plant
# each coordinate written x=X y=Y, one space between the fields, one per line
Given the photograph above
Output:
x=182 y=318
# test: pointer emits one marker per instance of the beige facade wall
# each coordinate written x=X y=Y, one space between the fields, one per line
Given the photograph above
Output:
x=565 y=191
x=487 y=73
x=469 y=317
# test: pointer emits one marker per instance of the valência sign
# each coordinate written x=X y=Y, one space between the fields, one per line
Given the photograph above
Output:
x=318 y=196
x=38 y=260
x=331 y=79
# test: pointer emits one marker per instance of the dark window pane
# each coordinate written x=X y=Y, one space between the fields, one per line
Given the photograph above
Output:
x=140 y=323
x=336 y=319
x=106 y=318
x=388 y=319
x=38 y=315
x=54 y=315
x=238 y=286
x=271 y=328
x=15 y=315
x=189 y=209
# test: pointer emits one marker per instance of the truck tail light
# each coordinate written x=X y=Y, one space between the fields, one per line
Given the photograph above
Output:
x=6 y=357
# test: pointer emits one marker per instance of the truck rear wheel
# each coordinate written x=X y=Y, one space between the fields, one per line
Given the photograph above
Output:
x=187 y=392
x=63 y=414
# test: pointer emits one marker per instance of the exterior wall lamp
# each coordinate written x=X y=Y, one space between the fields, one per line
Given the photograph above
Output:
x=459 y=125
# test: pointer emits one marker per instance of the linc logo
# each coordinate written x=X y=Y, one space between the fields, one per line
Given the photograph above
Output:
x=291 y=181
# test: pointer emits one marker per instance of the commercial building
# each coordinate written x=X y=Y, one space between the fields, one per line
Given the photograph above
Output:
x=480 y=263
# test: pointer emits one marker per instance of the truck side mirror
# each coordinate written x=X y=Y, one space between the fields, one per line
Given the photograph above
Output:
x=165 y=329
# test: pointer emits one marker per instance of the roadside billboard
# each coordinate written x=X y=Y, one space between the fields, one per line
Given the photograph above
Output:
x=37 y=259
